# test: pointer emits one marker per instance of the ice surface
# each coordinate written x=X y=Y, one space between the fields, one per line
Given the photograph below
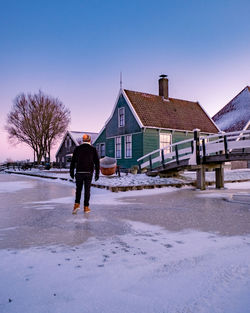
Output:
x=14 y=186
x=105 y=197
x=142 y=268
x=149 y=270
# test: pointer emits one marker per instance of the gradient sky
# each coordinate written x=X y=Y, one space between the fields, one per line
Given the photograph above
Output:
x=75 y=50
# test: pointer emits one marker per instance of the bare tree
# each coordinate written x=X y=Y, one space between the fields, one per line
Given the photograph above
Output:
x=37 y=120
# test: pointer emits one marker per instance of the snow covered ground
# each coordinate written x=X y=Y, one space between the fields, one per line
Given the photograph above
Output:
x=229 y=175
x=143 y=268
x=143 y=179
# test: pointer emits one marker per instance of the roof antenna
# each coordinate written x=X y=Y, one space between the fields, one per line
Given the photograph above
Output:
x=121 y=80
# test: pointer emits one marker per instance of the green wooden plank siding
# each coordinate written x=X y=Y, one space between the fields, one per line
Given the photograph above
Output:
x=150 y=140
x=110 y=147
x=180 y=136
x=131 y=125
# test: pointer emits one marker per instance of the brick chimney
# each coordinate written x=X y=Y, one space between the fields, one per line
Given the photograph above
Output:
x=163 y=86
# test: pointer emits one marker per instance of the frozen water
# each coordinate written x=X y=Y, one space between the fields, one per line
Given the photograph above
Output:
x=14 y=186
x=147 y=270
x=141 y=251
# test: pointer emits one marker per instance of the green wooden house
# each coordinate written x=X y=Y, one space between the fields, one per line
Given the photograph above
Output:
x=141 y=123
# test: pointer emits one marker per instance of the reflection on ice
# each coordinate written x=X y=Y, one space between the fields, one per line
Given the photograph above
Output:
x=56 y=200
x=13 y=186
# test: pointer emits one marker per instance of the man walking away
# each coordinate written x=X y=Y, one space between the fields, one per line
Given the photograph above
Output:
x=85 y=159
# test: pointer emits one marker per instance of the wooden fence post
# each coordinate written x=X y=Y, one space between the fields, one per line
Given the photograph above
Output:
x=204 y=149
x=201 y=178
x=192 y=146
x=150 y=162
x=219 y=177
x=139 y=166
x=162 y=158
x=225 y=146
x=243 y=149
x=197 y=145
x=176 y=154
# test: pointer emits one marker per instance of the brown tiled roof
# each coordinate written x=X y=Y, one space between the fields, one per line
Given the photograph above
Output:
x=154 y=111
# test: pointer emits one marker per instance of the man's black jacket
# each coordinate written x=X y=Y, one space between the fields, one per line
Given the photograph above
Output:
x=85 y=159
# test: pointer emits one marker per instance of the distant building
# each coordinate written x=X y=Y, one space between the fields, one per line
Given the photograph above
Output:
x=141 y=123
x=70 y=140
x=235 y=116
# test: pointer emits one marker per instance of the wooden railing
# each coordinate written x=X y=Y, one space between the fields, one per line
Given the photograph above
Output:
x=225 y=143
x=169 y=154
x=196 y=150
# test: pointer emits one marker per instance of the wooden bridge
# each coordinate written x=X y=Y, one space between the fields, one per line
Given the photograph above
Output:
x=199 y=154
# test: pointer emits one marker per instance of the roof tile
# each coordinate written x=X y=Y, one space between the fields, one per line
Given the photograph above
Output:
x=155 y=111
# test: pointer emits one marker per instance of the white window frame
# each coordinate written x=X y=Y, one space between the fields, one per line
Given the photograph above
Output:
x=126 y=150
x=120 y=138
x=102 y=144
x=121 y=112
x=165 y=142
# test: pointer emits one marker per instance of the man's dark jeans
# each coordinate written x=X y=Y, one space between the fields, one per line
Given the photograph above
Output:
x=83 y=178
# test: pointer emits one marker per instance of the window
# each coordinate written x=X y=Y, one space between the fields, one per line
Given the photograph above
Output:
x=121 y=117
x=102 y=150
x=165 y=140
x=118 y=147
x=128 y=146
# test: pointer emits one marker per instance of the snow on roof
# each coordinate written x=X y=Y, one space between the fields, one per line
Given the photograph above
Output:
x=77 y=136
x=236 y=114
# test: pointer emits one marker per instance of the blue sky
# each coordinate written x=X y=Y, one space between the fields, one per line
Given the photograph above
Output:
x=75 y=50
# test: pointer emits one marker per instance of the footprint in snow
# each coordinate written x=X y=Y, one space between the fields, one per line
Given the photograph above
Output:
x=168 y=246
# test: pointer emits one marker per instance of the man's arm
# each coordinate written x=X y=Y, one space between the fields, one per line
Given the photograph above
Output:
x=97 y=164
x=73 y=164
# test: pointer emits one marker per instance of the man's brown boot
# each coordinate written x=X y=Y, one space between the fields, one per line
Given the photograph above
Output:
x=76 y=208
x=86 y=209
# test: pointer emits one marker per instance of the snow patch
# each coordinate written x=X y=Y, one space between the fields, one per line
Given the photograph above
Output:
x=44 y=207
x=240 y=185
